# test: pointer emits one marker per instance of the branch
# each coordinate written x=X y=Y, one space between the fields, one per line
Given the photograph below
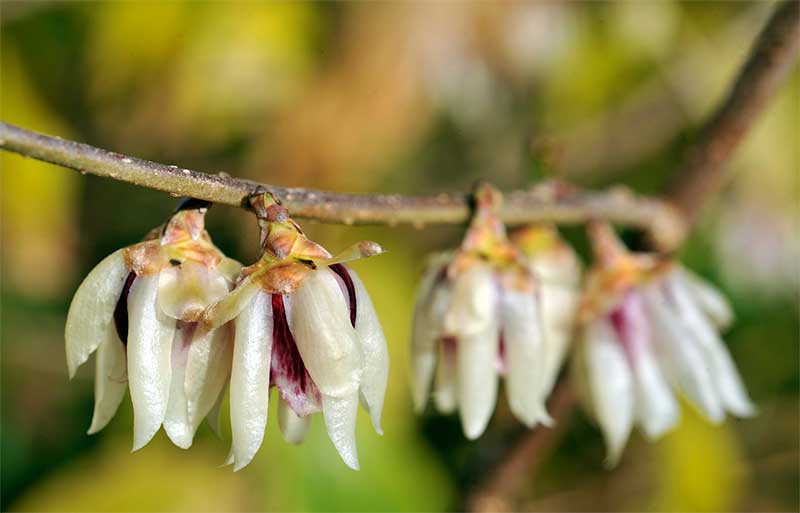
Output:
x=702 y=173
x=548 y=202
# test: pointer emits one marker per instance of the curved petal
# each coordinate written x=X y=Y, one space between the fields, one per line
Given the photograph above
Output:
x=208 y=368
x=215 y=413
x=227 y=308
x=110 y=382
x=185 y=290
x=90 y=320
x=432 y=302
x=445 y=394
x=477 y=379
x=340 y=420
x=710 y=300
x=474 y=301
x=176 y=419
x=293 y=427
x=376 y=355
x=319 y=320
x=150 y=335
x=250 y=378
x=656 y=408
x=610 y=385
x=525 y=356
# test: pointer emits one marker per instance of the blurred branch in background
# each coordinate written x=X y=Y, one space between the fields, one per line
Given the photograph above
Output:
x=552 y=202
x=700 y=177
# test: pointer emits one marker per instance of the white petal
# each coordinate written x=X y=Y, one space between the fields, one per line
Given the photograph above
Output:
x=176 y=419
x=186 y=290
x=477 y=379
x=293 y=427
x=110 y=382
x=340 y=421
x=250 y=378
x=710 y=300
x=319 y=319
x=445 y=395
x=656 y=408
x=150 y=335
x=214 y=415
x=90 y=320
x=474 y=302
x=208 y=368
x=525 y=356
x=375 y=352
x=610 y=385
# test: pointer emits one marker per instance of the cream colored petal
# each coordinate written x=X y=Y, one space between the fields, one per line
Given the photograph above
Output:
x=525 y=356
x=90 y=319
x=611 y=387
x=319 y=320
x=477 y=379
x=250 y=378
x=340 y=420
x=293 y=427
x=176 y=419
x=657 y=410
x=110 y=382
x=376 y=355
x=445 y=394
x=208 y=368
x=362 y=249
x=214 y=417
x=230 y=269
x=150 y=335
x=432 y=302
x=709 y=299
x=227 y=308
x=474 y=302
x=187 y=289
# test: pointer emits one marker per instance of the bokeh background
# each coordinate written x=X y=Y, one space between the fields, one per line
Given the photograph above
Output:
x=413 y=98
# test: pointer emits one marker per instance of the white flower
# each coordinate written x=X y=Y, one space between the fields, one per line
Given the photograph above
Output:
x=305 y=325
x=650 y=328
x=477 y=317
x=139 y=309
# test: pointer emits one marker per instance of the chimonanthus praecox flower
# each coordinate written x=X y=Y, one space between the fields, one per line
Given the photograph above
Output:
x=304 y=324
x=140 y=310
x=558 y=270
x=648 y=326
x=477 y=317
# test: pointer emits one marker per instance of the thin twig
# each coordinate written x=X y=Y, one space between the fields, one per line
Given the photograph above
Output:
x=703 y=171
x=699 y=178
x=550 y=202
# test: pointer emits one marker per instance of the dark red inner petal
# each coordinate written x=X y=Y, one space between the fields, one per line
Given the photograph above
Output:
x=288 y=372
x=121 y=310
x=341 y=271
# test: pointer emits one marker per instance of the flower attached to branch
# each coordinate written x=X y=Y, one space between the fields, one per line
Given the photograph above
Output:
x=305 y=325
x=478 y=317
x=649 y=326
x=139 y=309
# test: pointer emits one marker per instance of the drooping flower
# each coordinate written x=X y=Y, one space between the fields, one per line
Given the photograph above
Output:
x=305 y=325
x=139 y=309
x=558 y=269
x=478 y=317
x=649 y=330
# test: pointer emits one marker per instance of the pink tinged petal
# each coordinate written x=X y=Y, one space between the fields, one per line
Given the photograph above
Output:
x=433 y=299
x=525 y=356
x=176 y=420
x=723 y=370
x=250 y=378
x=376 y=354
x=320 y=323
x=340 y=420
x=477 y=380
x=90 y=320
x=710 y=300
x=185 y=290
x=110 y=382
x=611 y=386
x=293 y=427
x=474 y=302
x=150 y=335
x=445 y=395
x=684 y=361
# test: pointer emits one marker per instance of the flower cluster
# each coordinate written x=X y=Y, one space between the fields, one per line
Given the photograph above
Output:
x=176 y=319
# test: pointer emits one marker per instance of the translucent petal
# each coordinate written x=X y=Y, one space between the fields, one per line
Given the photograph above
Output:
x=227 y=308
x=214 y=417
x=90 y=320
x=610 y=385
x=176 y=420
x=187 y=289
x=250 y=378
x=474 y=301
x=376 y=355
x=432 y=302
x=656 y=408
x=110 y=382
x=525 y=356
x=340 y=421
x=150 y=335
x=319 y=320
x=711 y=301
x=477 y=379
x=208 y=368
x=293 y=427
x=445 y=394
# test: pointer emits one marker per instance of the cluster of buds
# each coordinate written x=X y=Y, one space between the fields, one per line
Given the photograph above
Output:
x=482 y=312
x=173 y=319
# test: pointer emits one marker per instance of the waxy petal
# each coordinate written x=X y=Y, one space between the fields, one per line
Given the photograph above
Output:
x=176 y=420
x=293 y=427
x=319 y=320
x=376 y=355
x=185 y=290
x=250 y=378
x=432 y=302
x=208 y=368
x=474 y=302
x=340 y=420
x=150 y=335
x=230 y=306
x=477 y=379
x=110 y=381
x=657 y=409
x=713 y=304
x=90 y=320
x=525 y=356
x=445 y=394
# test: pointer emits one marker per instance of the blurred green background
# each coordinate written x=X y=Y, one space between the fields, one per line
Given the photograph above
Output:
x=415 y=98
